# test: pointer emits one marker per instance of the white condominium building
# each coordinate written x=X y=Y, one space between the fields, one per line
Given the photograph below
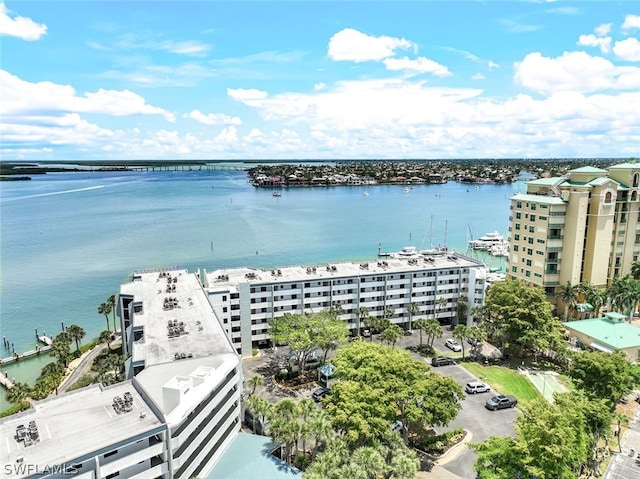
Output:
x=174 y=417
x=580 y=227
x=245 y=299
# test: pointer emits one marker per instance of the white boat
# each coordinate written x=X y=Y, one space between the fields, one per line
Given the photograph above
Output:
x=366 y=193
x=276 y=193
x=407 y=252
x=488 y=240
x=406 y=189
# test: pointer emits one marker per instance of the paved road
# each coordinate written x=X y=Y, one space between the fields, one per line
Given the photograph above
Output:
x=476 y=419
x=81 y=368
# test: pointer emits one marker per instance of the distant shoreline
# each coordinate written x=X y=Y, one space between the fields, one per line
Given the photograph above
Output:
x=310 y=173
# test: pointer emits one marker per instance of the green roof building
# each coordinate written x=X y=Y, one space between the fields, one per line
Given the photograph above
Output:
x=608 y=334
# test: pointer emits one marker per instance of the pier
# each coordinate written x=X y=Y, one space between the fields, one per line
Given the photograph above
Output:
x=44 y=339
x=6 y=382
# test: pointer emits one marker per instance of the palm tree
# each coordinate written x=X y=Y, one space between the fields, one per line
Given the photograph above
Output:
x=336 y=309
x=112 y=305
x=370 y=322
x=420 y=325
x=413 y=308
x=569 y=297
x=389 y=312
x=635 y=270
x=461 y=333
x=18 y=393
x=441 y=302
x=363 y=313
x=60 y=348
x=254 y=382
x=368 y=460
x=321 y=430
x=76 y=333
x=624 y=293
x=106 y=337
x=433 y=330
x=260 y=409
x=55 y=371
x=307 y=410
x=391 y=334
x=105 y=308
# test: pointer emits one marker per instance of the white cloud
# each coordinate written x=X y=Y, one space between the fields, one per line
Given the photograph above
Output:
x=491 y=64
x=20 y=27
x=352 y=45
x=118 y=103
x=478 y=76
x=417 y=66
x=23 y=97
x=159 y=76
x=246 y=95
x=319 y=86
x=630 y=22
x=213 y=119
x=49 y=114
x=603 y=30
x=604 y=43
x=191 y=47
x=628 y=50
x=574 y=71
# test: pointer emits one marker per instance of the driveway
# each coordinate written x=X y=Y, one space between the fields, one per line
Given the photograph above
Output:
x=476 y=419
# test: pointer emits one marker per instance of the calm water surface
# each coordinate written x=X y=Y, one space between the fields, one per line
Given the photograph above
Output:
x=68 y=240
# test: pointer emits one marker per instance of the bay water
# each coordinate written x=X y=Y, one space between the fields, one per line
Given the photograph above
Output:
x=68 y=240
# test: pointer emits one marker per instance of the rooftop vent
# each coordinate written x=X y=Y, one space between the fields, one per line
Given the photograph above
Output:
x=121 y=405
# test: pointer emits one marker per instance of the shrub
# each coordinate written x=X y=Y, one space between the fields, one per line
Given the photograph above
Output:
x=439 y=444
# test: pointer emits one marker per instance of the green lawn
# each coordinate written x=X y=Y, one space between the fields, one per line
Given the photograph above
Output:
x=505 y=381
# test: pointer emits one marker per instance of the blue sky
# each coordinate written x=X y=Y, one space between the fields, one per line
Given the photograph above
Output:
x=326 y=80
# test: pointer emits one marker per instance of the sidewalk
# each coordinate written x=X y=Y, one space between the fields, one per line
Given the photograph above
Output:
x=626 y=465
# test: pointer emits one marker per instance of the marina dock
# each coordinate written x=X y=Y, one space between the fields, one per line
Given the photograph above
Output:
x=6 y=382
x=46 y=340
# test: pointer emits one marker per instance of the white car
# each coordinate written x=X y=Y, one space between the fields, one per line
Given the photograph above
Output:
x=453 y=345
x=476 y=387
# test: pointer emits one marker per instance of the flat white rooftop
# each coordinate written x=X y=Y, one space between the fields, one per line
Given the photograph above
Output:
x=202 y=374
x=176 y=317
x=73 y=425
x=228 y=278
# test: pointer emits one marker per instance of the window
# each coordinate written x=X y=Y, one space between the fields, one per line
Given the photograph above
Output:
x=608 y=197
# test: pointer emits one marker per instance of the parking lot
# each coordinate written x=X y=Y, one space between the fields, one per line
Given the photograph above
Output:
x=478 y=421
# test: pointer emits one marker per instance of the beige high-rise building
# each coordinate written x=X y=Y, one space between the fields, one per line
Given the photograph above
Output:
x=583 y=226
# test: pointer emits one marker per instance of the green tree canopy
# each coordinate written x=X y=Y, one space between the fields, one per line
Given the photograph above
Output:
x=602 y=375
x=553 y=441
x=523 y=315
x=379 y=385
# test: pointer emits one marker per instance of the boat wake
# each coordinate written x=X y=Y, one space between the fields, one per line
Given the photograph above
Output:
x=77 y=190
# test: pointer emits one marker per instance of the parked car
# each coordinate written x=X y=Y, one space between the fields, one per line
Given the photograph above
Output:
x=453 y=345
x=319 y=393
x=500 y=402
x=261 y=425
x=442 y=361
x=474 y=342
x=476 y=387
x=366 y=332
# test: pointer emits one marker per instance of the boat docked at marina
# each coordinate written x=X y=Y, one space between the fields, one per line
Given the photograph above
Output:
x=487 y=241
